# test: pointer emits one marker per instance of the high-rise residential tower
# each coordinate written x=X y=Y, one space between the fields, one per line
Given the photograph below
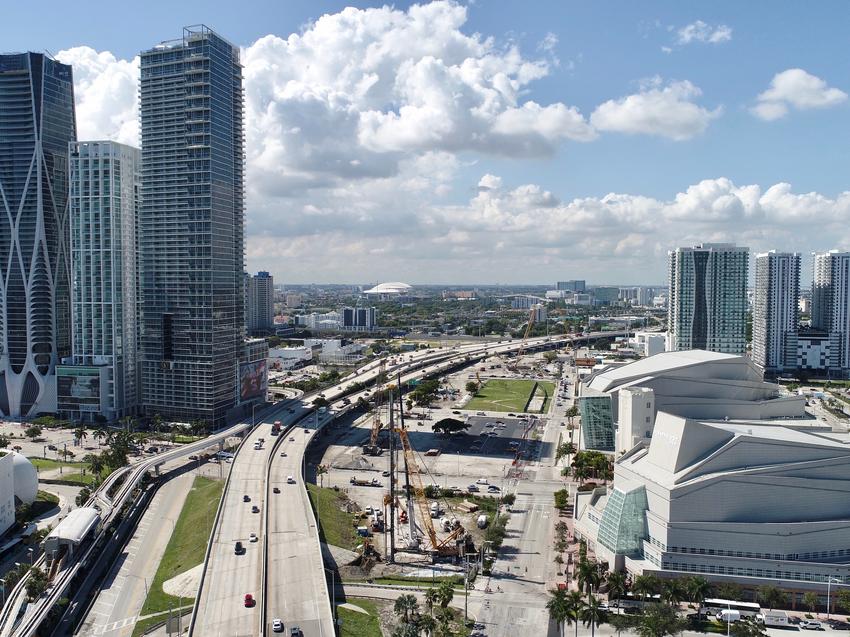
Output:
x=708 y=298
x=776 y=311
x=260 y=297
x=831 y=305
x=192 y=215
x=104 y=179
x=36 y=124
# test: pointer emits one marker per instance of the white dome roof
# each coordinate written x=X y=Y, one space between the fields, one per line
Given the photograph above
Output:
x=26 y=478
x=394 y=287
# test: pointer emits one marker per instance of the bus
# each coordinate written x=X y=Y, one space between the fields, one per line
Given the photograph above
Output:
x=715 y=606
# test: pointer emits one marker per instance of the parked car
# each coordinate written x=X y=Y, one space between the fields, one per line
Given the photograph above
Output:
x=482 y=481
x=295 y=631
x=249 y=600
x=493 y=489
x=811 y=624
x=277 y=625
x=472 y=488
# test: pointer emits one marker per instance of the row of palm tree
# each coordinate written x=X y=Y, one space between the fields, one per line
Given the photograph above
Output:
x=591 y=464
x=569 y=607
x=435 y=623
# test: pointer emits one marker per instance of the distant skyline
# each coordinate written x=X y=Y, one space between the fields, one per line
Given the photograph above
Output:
x=495 y=141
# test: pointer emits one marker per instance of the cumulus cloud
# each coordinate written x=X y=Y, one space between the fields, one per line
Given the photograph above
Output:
x=795 y=88
x=105 y=91
x=668 y=110
x=700 y=31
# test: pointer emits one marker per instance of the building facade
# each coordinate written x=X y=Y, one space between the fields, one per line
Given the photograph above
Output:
x=191 y=221
x=831 y=306
x=708 y=298
x=37 y=123
x=597 y=422
x=776 y=311
x=260 y=292
x=359 y=319
x=103 y=377
x=573 y=285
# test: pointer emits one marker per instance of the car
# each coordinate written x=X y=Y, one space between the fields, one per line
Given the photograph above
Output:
x=193 y=457
x=386 y=474
x=811 y=624
x=276 y=490
x=306 y=431
x=456 y=412
x=246 y=498
x=493 y=489
x=283 y=454
x=472 y=488
x=295 y=632
x=291 y=438
x=277 y=625
x=837 y=624
x=238 y=549
x=51 y=447
x=255 y=509
x=249 y=600
x=482 y=481
x=290 y=480
x=480 y=413
x=252 y=537
x=478 y=626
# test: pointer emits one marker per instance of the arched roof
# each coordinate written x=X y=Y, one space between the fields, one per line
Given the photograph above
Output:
x=394 y=287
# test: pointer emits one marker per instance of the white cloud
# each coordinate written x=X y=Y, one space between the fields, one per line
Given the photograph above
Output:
x=658 y=109
x=700 y=31
x=795 y=88
x=105 y=91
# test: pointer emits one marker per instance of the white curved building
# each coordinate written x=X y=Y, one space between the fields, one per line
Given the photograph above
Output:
x=18 y=483
x=386 y=290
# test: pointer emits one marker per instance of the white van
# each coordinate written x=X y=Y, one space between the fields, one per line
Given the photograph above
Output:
x=729 y=616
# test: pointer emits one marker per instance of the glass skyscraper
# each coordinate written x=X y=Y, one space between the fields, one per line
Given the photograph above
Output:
x=192 y=213
x=37 y=123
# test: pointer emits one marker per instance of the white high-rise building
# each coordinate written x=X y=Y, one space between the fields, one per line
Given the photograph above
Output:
x=104 y=178
x=708 y=298
x=831 y=305
x=776 y=312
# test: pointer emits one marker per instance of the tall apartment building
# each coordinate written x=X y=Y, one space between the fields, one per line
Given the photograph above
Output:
x=37 y=122
x=573 y=285
x=260 y=295
x=359 y=318
x=103 y=204
x=707 y=306
x=831 y=305
x=776 y=313
x=192 y=216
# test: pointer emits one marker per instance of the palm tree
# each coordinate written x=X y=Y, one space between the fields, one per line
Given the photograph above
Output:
x=575 y=603
x=427 y=625
x=771 y=596
x=559 y=608
x=80 y=435
x=617 y=585
x=432 y=597
x=321 y=470
x=697 y=588
x=444 y=618
x=588 y=576
x=592 y=614
x=95 y=463
x=748 y=628
x=446 y=593
x=405 y=606
x=99 y=435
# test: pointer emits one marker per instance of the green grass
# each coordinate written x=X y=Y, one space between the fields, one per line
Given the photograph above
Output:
x=149 y=622
x=506 y=395
x=356 y=624
x=335 y=525
x=46 y=464
x=187 y=544
x=423 y=582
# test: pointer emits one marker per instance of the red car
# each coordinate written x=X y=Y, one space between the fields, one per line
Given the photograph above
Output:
x=249 y=600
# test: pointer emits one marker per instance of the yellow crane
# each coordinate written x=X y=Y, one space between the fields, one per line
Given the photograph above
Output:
x=372 y=448
x=532 y=314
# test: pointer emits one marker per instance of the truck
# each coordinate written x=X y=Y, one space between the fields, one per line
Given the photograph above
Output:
x=482 y=521
x=364 y=483
x=435 y=510
x=774 y=618
x=276 y=428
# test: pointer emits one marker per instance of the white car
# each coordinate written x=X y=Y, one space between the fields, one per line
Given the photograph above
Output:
x=482 y=481
x=290 y=480
x=252 y=537
x=277 y=625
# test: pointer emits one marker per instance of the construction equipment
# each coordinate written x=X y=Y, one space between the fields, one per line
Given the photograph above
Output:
x=532 y=314
x=373 y=448
x=447 y=546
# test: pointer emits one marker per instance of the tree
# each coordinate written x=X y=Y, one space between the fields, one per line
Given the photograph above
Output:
x=405 y=606
x=588 y=576
x=426 y=624
x=771 y=596
x=575 y=604
x=646 y=585
x=562 y=499
x=746 y=627
x=80 y=434
x=559 y=608
x=659 y=620
x=321 y=470
x=446 y=593
x=321 y=401
x=32 y=432
x=728 y=590
x=563 y=450
x=4 y=442
x=83 y=496
x=620 y=623
x=432 y=597
x=592 y=614
x=95 y=463
x=509 y=498
x=842 y=600
x=449 y=426
x=472 y=387
x=617 y=584
x=671 y=592
x=36 y=584
x=810 y=601
x=99 y=435
x=405 y=630
x=697 y=589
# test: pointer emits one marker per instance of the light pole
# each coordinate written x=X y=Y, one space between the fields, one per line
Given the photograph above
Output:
x=3 y=589
x=31 y=552
x=729 y=620
x=829 y=582
x=333 y=592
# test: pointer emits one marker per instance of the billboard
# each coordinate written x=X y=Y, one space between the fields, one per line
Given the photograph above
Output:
x=253 y=380
x=78 y=388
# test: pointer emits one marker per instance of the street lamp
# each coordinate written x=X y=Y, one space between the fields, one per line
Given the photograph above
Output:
x=333 y=592
x=829 y=582
x=31 y=552
x=3 y=589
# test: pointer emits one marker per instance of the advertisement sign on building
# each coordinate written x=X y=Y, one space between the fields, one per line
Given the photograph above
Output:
x=253 y=380
x=78 y=388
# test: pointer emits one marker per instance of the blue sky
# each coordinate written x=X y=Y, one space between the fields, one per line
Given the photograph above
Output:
x=471 y=205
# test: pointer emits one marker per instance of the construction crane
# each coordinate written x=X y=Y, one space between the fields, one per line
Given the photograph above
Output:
x=373 y=449
x=532 y=314
x=447 y=546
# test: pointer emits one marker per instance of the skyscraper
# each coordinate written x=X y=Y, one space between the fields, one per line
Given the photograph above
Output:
x=831 y=305
x=776 y=313
x=260 y=294
x=708 y=298
x=104 y=179
x=192 y=216
x=36 y=124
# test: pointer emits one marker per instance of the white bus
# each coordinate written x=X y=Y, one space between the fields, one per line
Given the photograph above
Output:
x=714 y=606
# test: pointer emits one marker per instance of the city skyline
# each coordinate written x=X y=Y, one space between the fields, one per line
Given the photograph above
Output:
x=587 y=164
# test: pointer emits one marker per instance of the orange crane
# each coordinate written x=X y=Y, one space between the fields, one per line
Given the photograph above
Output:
x=532 y=313
x=447 y=546
x=372 y=448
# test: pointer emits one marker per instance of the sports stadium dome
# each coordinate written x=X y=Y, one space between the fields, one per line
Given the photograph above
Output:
x=394 y=288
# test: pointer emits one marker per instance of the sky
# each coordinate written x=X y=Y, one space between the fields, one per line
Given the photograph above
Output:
x=501 y=142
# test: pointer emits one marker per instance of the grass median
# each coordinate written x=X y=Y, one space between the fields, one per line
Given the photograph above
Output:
x=336 y=526
x=357 y=624
x=188 y=543
x=506 y=395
